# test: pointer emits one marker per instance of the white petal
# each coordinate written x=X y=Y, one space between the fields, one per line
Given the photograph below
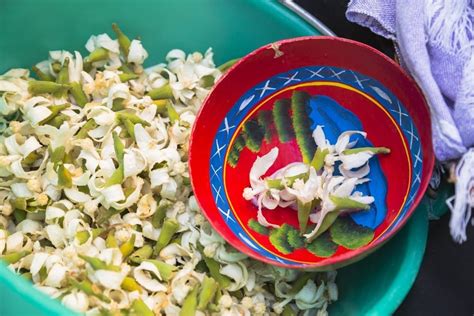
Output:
x=55 y=234
x=343 y=140
x=77 y=301
x=29 y=226
x=355 y=160
x=56 y=275
x=159 y=177
x=15 y=242
x=76 y=196
x=110 y=279
x=114 y=193
x=319 y=137
x=359 y=173
x=134 y=162
x=261 y=166
x=346 y=188
x=137 y=54
x=38 y=261
x=146 y=281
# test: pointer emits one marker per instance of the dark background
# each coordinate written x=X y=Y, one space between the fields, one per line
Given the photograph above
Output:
x=445 y=283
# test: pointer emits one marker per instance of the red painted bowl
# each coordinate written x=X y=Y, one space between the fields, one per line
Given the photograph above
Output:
x=345 y=85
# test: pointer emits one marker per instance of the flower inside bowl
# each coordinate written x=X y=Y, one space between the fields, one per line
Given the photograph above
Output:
x=289 y=103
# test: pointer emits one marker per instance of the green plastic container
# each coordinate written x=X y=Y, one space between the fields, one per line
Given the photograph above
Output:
x=30 y=28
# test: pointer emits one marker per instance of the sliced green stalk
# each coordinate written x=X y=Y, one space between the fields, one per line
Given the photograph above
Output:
x=123 y=40
x=141 y=309
x=78 y=93
x=110 y=241
x=207 y=81
x=170 y=227
x=56 y=65
x=190 y=303
x=98 y=264
x=58 y=120
x=208 y=290
x=31 y=158
x=172 y=114
x=346 y=203
x=225 y=66
x=301 y=282
x=41 y=75
x=214 y=270
x=135 y=119
x=63 y=75
x=304 y=209
x=104 y=216
x=166 y=270
x=160 y=214
x=289 y=311
x=318 y=159
x=86 y=128
x=129 y=284
x=89 y=289
x=57 y=156
x=161 y=105
x=124 y=77
x=55 y=110
x=163 y=92
x=127 y=247
x=36 y=87
x=64 y=177
x=118 y=176
x=130 y=127
x=19 y=204
x=12 y=258
x=82 y=236
x=126 y=69
x=19 y=216
x=279 y=184
x=375 y=150
x=141 y=254
x=98 y=54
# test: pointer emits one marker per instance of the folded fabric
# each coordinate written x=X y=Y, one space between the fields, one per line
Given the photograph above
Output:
x=435 y=43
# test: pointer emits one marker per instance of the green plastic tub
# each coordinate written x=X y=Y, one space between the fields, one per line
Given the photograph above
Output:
x=30 y=28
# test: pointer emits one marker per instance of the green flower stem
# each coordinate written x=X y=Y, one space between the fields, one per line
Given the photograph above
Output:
x=123 y=40
x=130 y=127
x=163 y=92
x=124 y=77
x=110 y=241
x=190 y=303
x=118 y=176
x=58 y=155
x=172 y=114
x=279 y=184
x=375 y=150
x=129 y=284
x=346 y=203
x=207 y=81
x=19 y=216
x=328 y=220
x=160 y=214
x=14 y=257
x=126 y=69
x=86 y=128
x=104 y=216
x=301 y=282
x=98 y=54
x=208 y=290
x=58 y=120
x=288 y=311
x=41 y=75
x=78 y=93
x=161 y=105
x=318 y=159
x=64 y=177
x=140 y=308
x=141 y=254
x=127 y=247
x=63 y=75
x=135 y=119
x=36 y=87
x=89 y=289
x=19 y=204
x=170 y=227
x=225 y=66
x=214 y=270
x=166 y=270
x=82 y=236
x=304 y=209
x=56 y=66
x=55 y=110
x=98 y=264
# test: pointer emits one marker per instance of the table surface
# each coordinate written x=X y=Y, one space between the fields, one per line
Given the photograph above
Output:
x=445 y=283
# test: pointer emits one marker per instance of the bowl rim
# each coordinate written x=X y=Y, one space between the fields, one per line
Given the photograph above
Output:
x=353 y=255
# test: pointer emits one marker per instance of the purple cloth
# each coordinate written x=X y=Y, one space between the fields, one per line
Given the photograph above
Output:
x=435 y=43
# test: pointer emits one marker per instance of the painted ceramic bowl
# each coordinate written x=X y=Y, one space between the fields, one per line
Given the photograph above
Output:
x=275 y=97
